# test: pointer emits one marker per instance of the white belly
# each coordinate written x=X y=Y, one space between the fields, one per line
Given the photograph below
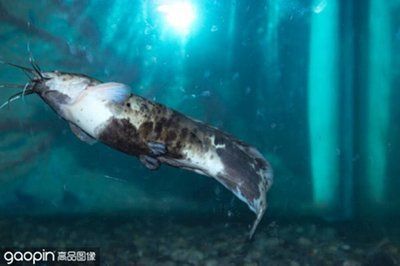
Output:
x=89 y=114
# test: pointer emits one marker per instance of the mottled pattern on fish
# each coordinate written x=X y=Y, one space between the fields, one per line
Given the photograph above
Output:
x=190 y=144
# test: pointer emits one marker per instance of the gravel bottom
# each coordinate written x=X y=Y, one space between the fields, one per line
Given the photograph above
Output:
x=140 y=242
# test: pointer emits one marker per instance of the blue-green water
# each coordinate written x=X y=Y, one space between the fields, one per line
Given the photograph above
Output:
x=312 y=84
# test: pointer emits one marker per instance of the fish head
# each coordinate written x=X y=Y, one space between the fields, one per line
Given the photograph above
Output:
x=62 y=89
x=84 y=102
x=58 y=89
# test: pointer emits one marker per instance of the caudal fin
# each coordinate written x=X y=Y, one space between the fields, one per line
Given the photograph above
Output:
x=247 y=174
x=260 y=215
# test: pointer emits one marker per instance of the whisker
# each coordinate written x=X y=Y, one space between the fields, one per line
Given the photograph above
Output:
x=27 y=69
x=29 y=76
x=15 y=97
x=33 y=62
x=28 y=92
x=35 y=67
x=24 y=91
x=11 y=99
x=8 y=85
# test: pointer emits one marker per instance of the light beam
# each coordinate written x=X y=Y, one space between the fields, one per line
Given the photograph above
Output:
x=179 y=15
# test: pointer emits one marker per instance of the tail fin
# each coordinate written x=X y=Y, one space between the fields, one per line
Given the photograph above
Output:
x=247 y=174
x=260 y=215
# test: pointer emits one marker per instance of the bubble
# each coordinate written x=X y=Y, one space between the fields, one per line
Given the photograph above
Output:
x=147 y=31
x=214 y=28
x=89 y=57
x=320 y=7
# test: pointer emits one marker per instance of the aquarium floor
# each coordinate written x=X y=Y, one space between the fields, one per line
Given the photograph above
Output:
x=168 y=241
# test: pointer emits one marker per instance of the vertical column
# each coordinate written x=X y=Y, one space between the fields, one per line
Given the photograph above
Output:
x=323 y=105
x=378 y=93
x=347 y=107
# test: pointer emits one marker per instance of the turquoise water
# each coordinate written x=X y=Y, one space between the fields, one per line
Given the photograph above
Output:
x=313 y=85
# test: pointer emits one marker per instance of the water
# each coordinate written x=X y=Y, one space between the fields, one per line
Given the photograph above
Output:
x=311 y=84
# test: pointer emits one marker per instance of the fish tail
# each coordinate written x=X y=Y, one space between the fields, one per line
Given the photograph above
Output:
x=247 y=174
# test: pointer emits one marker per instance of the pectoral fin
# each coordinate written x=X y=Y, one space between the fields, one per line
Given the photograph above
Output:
x=150 y=162
x=82 y=135
x=157 y=148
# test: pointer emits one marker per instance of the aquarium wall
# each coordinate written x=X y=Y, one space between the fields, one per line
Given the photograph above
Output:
x=314 y=85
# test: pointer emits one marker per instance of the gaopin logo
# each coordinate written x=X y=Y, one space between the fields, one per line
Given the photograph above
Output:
x=31 y=257
x=50 y=256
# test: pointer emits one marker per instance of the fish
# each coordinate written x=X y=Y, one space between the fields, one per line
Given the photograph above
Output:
x=110 y=113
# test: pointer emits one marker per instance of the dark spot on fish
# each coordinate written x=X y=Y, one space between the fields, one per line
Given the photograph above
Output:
x=128 y=105
x=171 y=135
x=178 y=145
x=184 y=133
x=158 y=128
x=122 y=135
x=145 y=129
x=144 y=108
x=194 y=139
x=218 y=140
x=167 y=122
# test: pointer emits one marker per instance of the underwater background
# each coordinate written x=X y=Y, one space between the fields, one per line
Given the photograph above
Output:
x=314 y=85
